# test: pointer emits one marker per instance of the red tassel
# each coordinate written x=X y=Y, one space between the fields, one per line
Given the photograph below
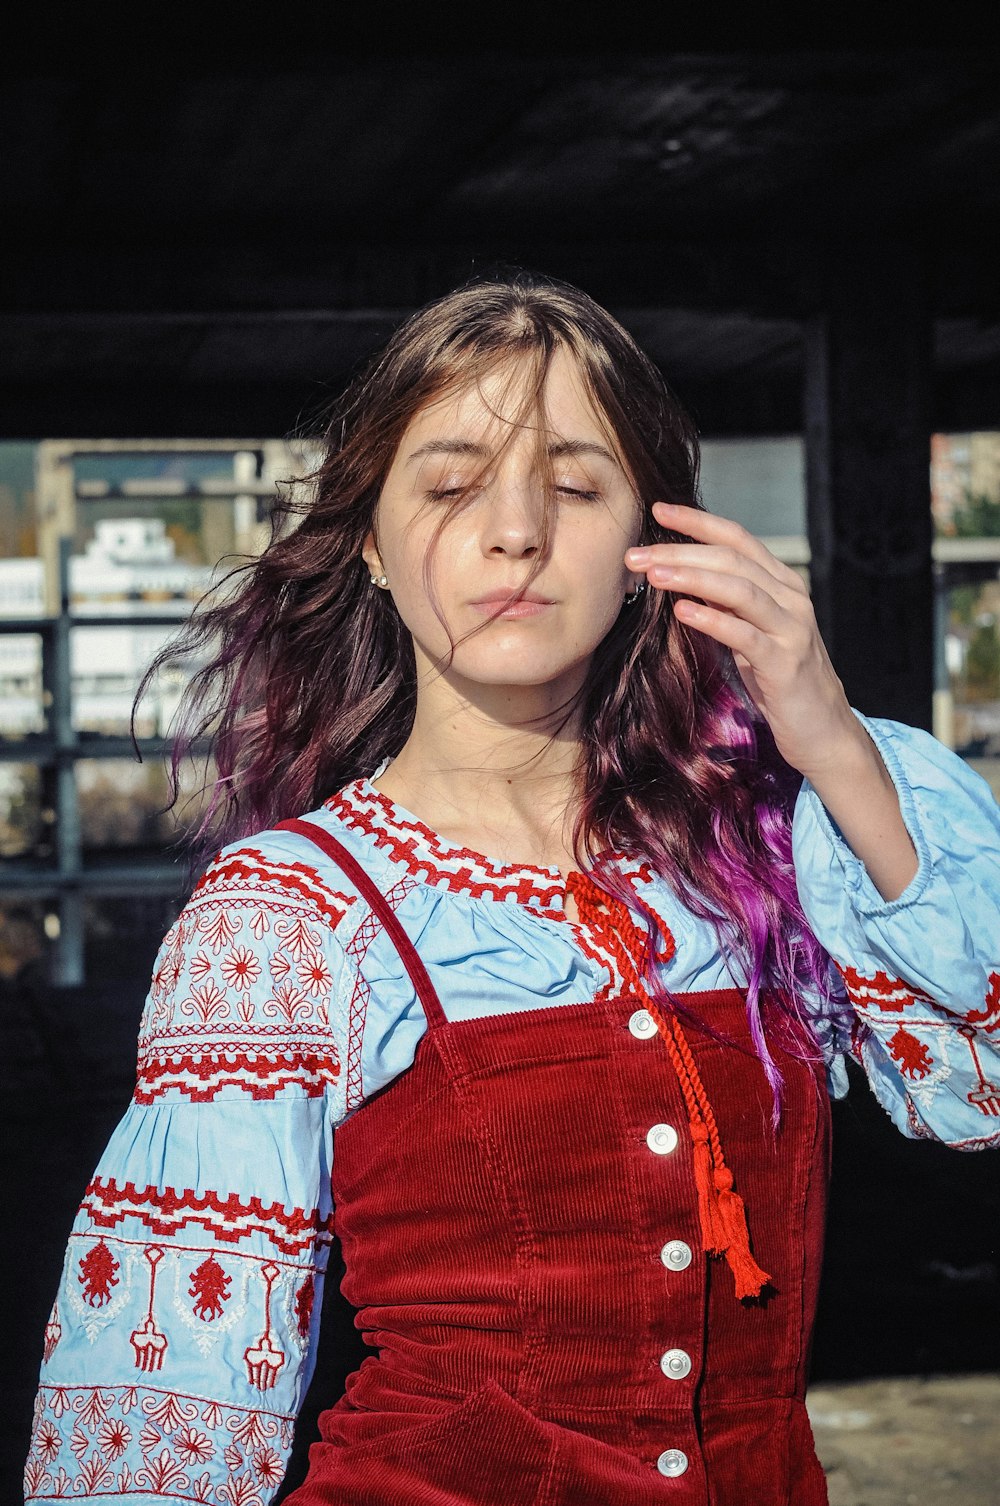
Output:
x=750 y=1279
x=713 y=1236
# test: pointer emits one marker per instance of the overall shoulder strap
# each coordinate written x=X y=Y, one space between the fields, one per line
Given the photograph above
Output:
x=339 y=855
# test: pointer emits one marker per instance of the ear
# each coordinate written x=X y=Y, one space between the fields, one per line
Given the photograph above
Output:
x=370 y=555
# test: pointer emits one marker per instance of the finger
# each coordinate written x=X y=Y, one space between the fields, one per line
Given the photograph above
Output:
x=741 y=596
x=696 y=523
x=731 y=538
x=734 y=632
x=657 y=559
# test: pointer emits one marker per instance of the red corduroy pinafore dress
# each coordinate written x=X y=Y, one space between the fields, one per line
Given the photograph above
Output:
x=521 y=1236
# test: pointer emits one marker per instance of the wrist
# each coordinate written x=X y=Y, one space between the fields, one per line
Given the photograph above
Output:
x=847 y=755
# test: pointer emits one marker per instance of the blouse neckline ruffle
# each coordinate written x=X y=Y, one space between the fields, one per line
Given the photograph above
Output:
x=430 y=859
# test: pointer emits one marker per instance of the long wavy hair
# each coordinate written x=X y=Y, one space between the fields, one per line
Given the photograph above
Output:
x=308 y=677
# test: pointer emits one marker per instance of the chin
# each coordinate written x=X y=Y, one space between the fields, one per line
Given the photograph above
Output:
x=515 y=666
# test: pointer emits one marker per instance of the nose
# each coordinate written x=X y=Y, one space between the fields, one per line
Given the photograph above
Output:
x=512 y=524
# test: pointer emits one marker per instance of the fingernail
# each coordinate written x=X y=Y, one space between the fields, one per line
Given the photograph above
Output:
x=637 y=556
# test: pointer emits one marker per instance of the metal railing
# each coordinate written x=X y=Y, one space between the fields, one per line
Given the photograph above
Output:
x=65 y=878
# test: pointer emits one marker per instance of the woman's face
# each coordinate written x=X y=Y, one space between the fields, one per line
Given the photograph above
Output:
x=489 y=545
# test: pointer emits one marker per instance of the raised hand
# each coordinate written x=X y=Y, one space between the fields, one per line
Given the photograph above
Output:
x=728 y=585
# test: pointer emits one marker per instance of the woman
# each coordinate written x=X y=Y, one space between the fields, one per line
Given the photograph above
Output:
x=539 y=1007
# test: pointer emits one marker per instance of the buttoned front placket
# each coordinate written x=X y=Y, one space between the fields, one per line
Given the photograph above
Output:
x=676 y=1282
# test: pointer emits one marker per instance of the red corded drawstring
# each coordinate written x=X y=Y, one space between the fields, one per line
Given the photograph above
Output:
x=720 y=1208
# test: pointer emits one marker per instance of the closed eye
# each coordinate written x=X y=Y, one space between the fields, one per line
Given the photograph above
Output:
x=441 y=494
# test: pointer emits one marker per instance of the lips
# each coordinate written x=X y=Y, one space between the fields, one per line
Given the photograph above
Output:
x=501 y=598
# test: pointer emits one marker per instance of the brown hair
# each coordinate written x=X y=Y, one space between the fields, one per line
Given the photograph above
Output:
x=311 y=681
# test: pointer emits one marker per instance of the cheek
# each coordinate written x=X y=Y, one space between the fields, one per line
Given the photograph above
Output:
x=413 y=593
x=598 y=562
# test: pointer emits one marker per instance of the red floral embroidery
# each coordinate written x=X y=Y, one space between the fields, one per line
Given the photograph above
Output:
x=209 y=1285
x=279 y=966
x=239 y=1491
x=207 y=1001
x=240 y=968
x=233 y=1457
x=914 y=1058
x=218 y=929
x=94 y=1476
x=162 y=1474
x=193 y=1446
x=315 y=976
x=268 y=1466
x=167 y=1460
x=98 y=1274
x=35 y=1478
x=114 y=1438
x=149 y=1438
x=202 y=1489
x=304 y=1299
x=255 y=1427
x=287 y=1002
x=93 y=1407
x=298 y=937
x=200 y=966
x=47 y=1442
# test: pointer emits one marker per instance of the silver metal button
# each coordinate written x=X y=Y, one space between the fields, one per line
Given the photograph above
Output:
x=675 y=1364
x=662 y=1139
x=672 y=1462
x=676 y=1255
x=642 y=1025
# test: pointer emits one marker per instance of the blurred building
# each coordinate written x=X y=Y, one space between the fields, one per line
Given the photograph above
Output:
x=963 y=466
x=129 y=568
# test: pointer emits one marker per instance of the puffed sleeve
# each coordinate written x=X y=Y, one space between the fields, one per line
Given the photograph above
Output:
x=922 y=972
x=182 y=1337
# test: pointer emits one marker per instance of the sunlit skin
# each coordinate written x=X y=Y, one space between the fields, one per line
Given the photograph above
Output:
x=532 y=663
x=479 y=766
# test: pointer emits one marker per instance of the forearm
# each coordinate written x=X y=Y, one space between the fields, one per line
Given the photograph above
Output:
x=857 y=791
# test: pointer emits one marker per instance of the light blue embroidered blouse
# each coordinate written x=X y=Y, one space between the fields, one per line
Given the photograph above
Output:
x=182 y=1337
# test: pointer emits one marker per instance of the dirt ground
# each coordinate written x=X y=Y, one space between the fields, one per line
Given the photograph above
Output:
x=909 y=1442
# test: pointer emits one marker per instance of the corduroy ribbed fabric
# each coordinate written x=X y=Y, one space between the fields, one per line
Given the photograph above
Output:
x=502 y=1217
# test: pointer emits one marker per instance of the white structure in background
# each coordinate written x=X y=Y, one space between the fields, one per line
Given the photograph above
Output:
x=128 y=570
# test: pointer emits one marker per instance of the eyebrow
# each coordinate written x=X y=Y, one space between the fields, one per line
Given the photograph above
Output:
x=470 y=447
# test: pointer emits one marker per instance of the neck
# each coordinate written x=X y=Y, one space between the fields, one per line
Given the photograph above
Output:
x=493 y=765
